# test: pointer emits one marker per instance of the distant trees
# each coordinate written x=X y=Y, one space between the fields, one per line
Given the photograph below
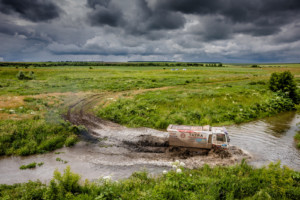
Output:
x=284 y=82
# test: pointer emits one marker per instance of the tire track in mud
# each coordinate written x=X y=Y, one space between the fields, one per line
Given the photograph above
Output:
x=108 y=133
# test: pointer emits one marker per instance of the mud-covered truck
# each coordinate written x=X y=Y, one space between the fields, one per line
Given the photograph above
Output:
x=198 y=137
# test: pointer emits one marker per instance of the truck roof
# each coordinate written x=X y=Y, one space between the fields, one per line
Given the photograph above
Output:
x=191 y=129
x=186 y=128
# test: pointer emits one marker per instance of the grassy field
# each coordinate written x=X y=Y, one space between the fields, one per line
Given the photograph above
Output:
x=236 y=182
x=151 y=96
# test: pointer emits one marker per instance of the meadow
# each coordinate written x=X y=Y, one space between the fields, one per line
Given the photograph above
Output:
x=138 y=95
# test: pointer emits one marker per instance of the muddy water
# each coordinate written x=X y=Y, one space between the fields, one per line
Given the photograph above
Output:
x=266 y=140
x=270 y=139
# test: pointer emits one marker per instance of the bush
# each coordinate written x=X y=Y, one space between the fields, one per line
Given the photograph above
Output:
x=71 y=140
x=284 y=82
x=22 y=76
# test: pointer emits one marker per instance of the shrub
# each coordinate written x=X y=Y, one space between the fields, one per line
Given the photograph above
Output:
x=22 y=76
x=255 y=66
x=284 y=82
x=71 y=140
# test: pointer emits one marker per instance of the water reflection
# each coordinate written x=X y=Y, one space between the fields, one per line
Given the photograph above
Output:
x=269 y=140
x=279 y=125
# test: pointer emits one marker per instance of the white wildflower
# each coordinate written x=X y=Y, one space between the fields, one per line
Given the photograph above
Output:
x=241 y=109
x=21 y=107
x=32 y=113
x=178 y=171
x=182 y=164
x=165 y=172
x=107 y=178
x=12 y=111
x=191 y=175
x=174 y=166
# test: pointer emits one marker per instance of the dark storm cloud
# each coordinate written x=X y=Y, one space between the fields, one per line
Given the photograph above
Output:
x=180 y=30
x=94 y=3
x=141 y=21
x=267 y=16
x=33 y=10
x=104 y=13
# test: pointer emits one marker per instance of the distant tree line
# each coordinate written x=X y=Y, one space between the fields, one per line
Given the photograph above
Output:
x=132 y=64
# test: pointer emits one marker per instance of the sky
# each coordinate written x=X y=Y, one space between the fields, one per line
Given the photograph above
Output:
x=232 y=31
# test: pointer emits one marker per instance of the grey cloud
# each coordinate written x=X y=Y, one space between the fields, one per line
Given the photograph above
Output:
x=182 y=30
x=267 y=15
x=94 y=3
x=104 y=13
x=141 y=21
x=33 y=10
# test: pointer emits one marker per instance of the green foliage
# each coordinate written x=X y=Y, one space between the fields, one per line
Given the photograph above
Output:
x=61 y=160
x=71 y=140
x=297 y=139
x=26 y=137
x=235 y=182
x=159 y=109
x=62 y=186
x=29 y=166
x=255 y=66
x=284 y=82
x=21 y=75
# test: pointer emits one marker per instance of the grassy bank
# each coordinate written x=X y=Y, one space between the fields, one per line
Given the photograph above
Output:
x=236 y=182
x=26 y=137
x=214 y=104
x=30 y=125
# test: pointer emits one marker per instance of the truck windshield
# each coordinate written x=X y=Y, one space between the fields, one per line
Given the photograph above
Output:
x=221 y=137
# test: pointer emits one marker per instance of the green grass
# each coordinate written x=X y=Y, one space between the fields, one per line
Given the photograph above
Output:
x=216 y=104
x=29 y=166
x=236 y=182
x=26 y=137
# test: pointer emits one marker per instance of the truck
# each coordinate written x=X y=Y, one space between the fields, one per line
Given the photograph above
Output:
x=198 y=137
